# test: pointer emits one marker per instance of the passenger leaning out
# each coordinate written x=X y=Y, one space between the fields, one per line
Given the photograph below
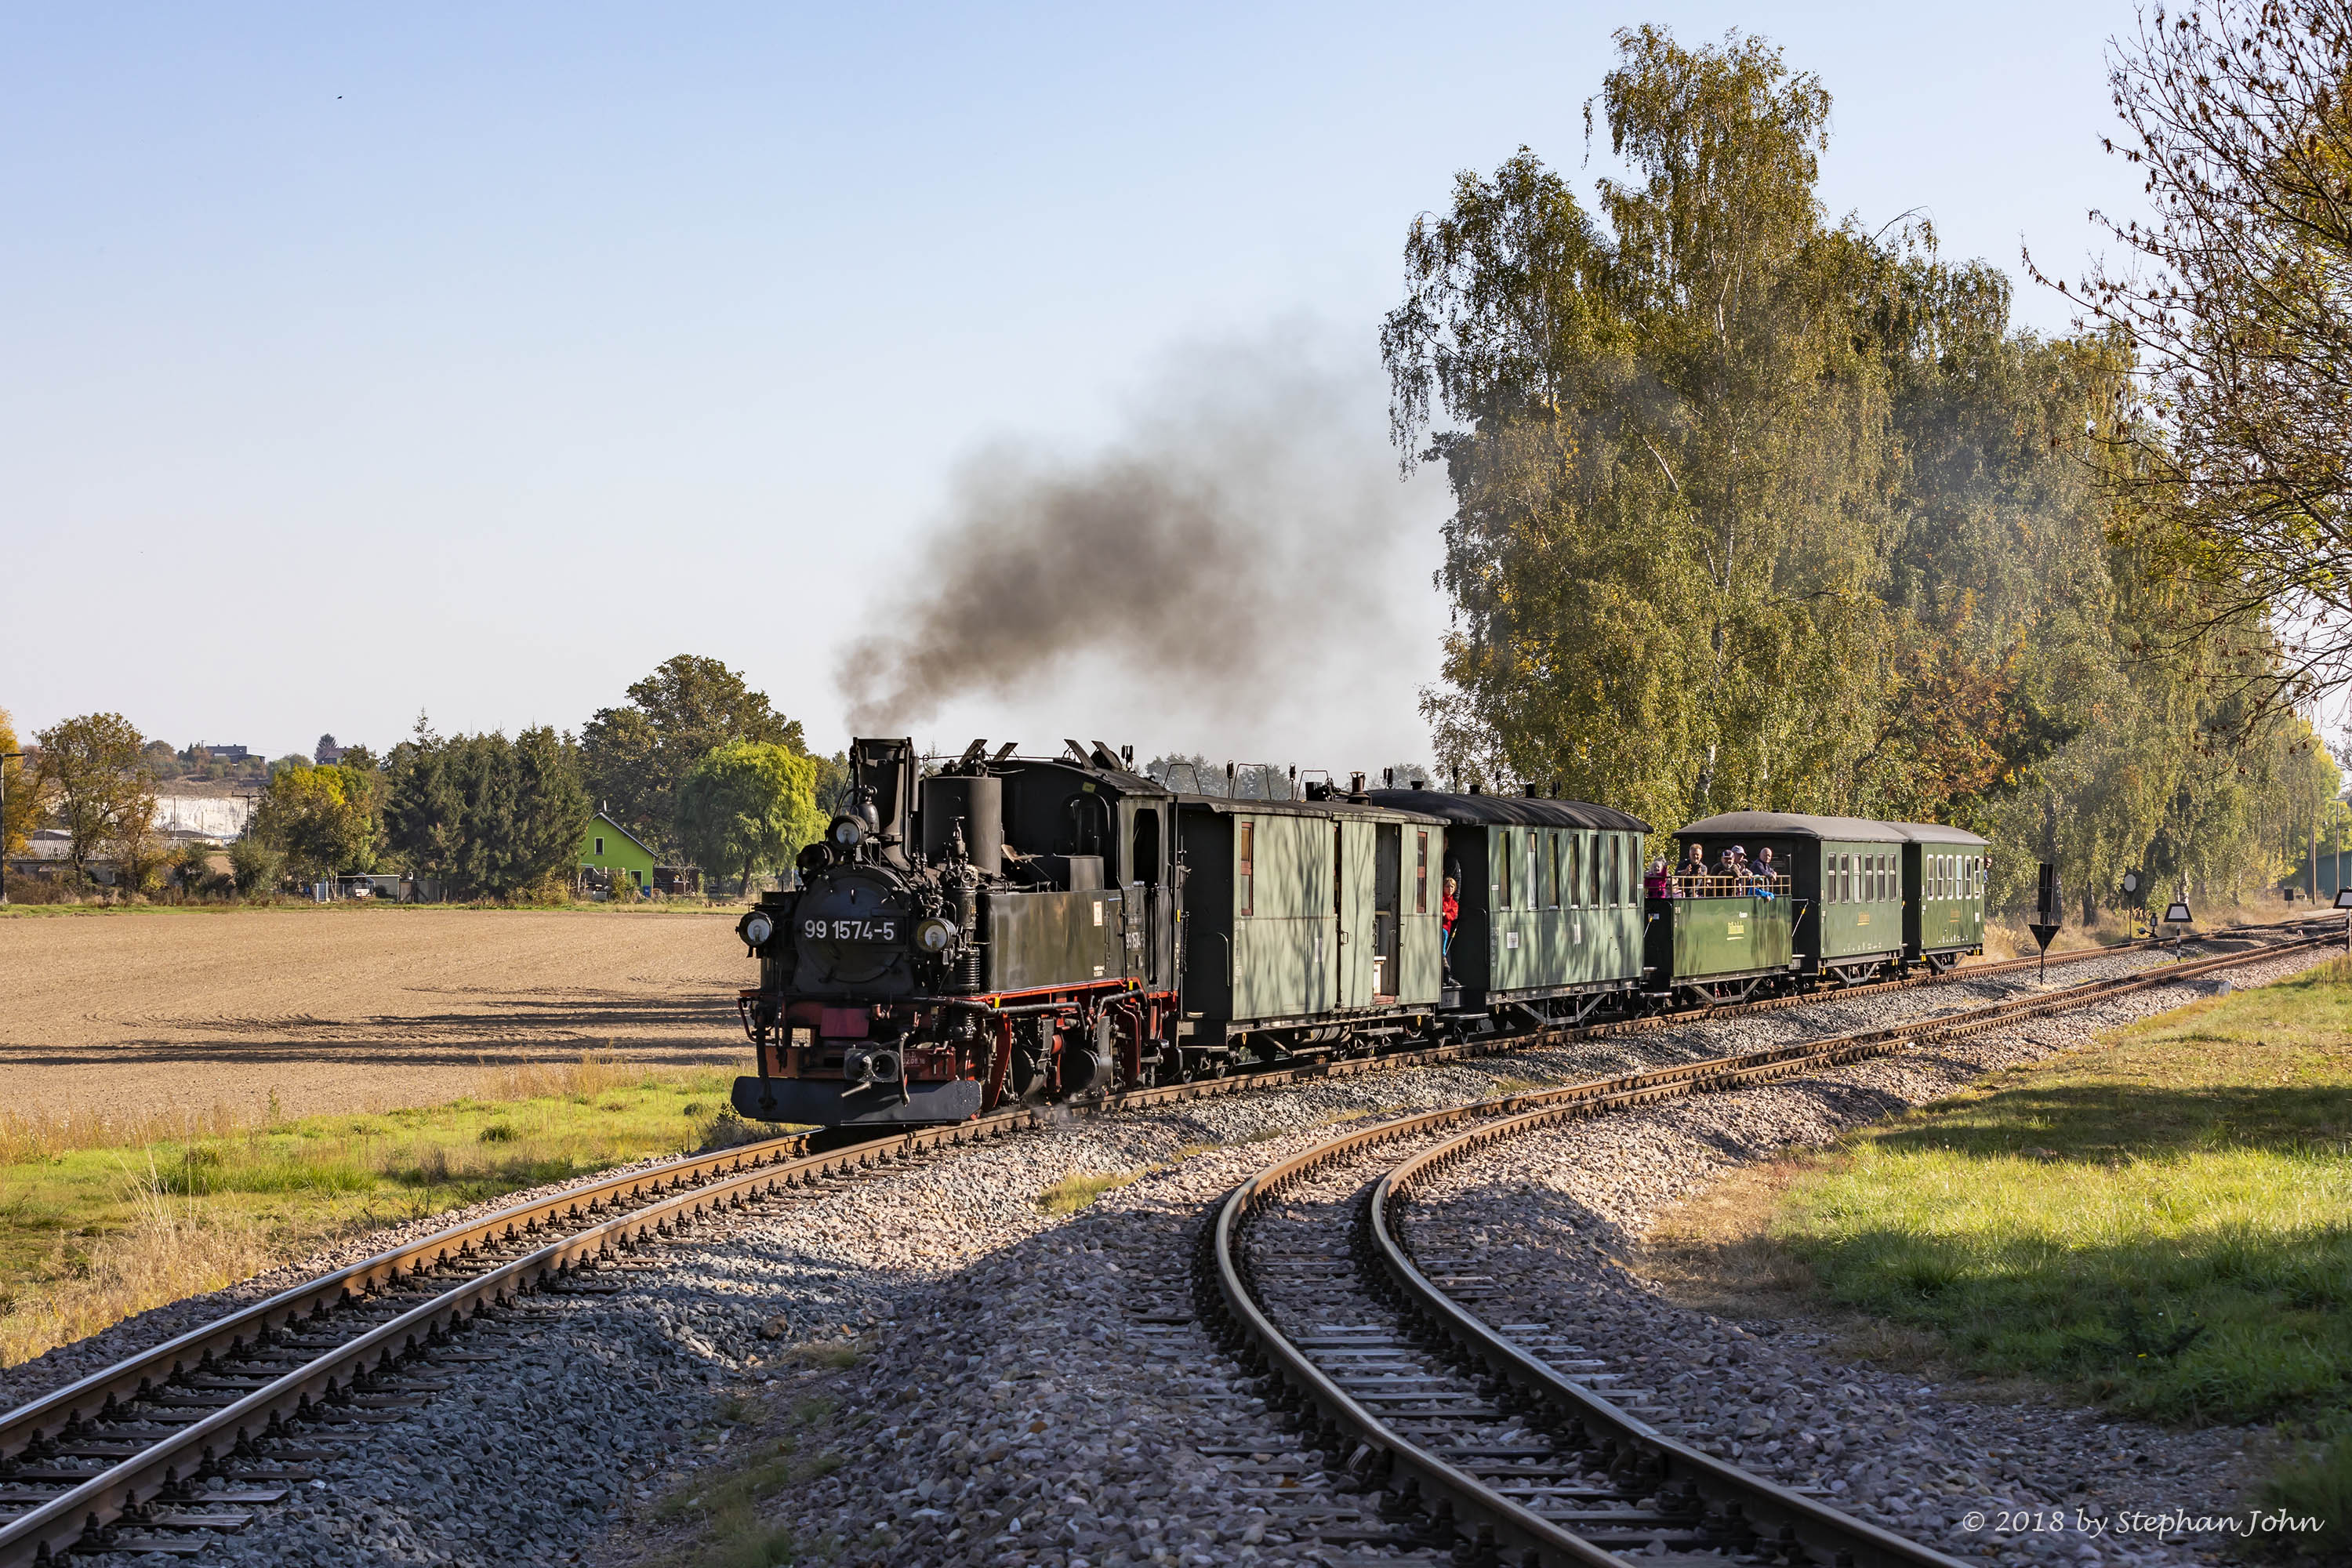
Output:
x=1694 y=873
x=1765 y=871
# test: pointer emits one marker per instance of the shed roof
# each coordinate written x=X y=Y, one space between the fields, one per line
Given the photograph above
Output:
x=1789 y=823
x=1509 y=810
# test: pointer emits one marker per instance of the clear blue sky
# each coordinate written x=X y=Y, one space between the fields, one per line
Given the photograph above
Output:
x=475 y=359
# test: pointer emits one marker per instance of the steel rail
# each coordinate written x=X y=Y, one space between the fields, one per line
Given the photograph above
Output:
x=89 y=1396
x=1457 y=1499
x=210 y=1444
x=28 y=1430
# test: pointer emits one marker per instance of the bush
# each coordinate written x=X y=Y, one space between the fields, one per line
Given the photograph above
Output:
x=254 y=866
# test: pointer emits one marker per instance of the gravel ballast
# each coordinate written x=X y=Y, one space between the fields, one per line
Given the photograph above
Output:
x=1551 y=1217
x=1016 y=1399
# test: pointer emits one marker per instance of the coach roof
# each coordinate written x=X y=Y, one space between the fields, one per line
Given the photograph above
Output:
x=1937 y=833
x=1510 y=810
x=1789 y=823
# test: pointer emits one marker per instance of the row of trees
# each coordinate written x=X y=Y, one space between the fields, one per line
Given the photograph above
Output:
x=1753 y=509
x=697 y=765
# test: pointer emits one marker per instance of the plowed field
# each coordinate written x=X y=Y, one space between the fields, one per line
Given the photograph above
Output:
x=347 y=1009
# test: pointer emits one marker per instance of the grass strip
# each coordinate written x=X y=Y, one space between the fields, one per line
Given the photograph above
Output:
x=103 y=1218
x=2160 y=1223
x=1079 y=1188
x=757 y=1446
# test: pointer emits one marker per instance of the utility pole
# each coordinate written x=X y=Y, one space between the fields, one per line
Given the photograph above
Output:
x=5 y=758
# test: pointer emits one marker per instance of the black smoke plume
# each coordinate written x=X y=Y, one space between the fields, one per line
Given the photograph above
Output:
x=1236 y=527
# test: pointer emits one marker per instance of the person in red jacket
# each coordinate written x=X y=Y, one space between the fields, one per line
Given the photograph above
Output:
x=1449 y=909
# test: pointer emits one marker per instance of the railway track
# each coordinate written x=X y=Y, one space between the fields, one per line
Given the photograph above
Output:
x=174 y=1444
x=1501 y=1438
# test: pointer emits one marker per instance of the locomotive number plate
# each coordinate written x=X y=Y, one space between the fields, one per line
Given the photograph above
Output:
x=850 y=930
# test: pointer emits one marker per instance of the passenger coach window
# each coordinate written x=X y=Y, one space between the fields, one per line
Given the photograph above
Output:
x=1610 y=845
x=1421 y=872
x=1535 y=870
x=1503 y=873
x=1243 y=871
x=1576 y=868
x=1558 y=894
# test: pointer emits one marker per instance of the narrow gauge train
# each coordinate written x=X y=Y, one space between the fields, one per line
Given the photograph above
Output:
x=1038 y=929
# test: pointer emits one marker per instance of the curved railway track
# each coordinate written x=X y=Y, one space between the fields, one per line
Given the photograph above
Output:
x=1499 y=1439
x=130 y=1458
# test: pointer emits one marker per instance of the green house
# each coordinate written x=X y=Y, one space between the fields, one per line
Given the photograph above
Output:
x=610 y=853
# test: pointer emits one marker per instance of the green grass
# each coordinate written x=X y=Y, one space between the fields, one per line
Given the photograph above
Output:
x=79 y=1204
x=722 y=1506
x=1079 y=1188
x=2161 y=1223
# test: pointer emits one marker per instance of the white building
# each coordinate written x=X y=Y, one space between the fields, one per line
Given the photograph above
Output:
x=214 y=816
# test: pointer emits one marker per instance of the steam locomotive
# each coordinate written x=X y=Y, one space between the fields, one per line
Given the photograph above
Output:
x=1025 y=928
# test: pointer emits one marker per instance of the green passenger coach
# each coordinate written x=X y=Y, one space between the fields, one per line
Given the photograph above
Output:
x=1717 y=941
x=1944 y=872
x=1311 y=922
x=1845 y=880
x=1550 y=892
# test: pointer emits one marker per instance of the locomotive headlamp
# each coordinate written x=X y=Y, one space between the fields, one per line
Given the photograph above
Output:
x=934 y=935
x=848 y=832
x=755 y=929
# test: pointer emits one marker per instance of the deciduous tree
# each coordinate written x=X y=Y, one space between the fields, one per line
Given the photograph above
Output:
x=1671 y=447
x=635 y=755
x=20 y=811
x=2236 y=297
x=1754 y=510
x=750 y=804
x=325 y=820
x=93 y=776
